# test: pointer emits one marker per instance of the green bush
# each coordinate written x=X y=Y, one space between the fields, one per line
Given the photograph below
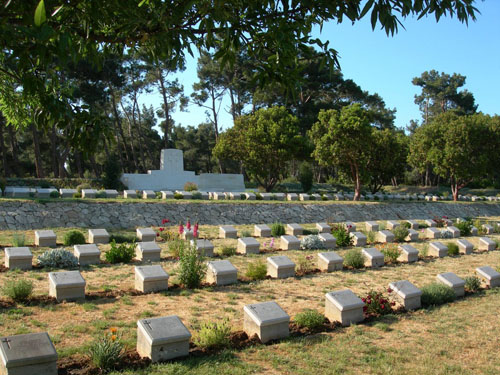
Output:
x=465 y=227
x=77 y=195
x=305 y=264
x=354 y=258
x=112 y=173
x=437 y=294
x=258 y=197
x=228 y=251
x=191 y=267
x=245 y=233
x=306 y=176
x=257 y=270
x=178 y=196
x=176 y=246
x=400 y=233
x=73 y=237
x=18 y=240
x=452 y=249
x=277 y=229
x=190 y=186
x=391 y=253
x=54 y=194
x=472 y=283
x=310 y=319
x=196 y=195
x=80 y=187
x=214 y=335
x=57 y=258
x=339 y=231
x=121 y=238
x=371 y=236
x=101 y=194
x=18 y=290
x=120 y=253
x=105 y=353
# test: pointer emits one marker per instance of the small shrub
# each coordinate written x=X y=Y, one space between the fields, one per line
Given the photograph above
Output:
x=245 y=233
x=214 y=335
x=58 y=258
x=452 y=249
x=77 y=195
x=258 y=197
x=18 y=240
x=400 y=233
x=228 y=251
x=339 y=231
x=440 y=223
x=311 y=242
x=424 y=251
x=175 y=247
x=257 y=270
x=312 y=198
x=191 y=267
x=106 y=352
x=73 y=237
x=446 y=234
x=376 y=198
x=120 y=253
x=196 y=195
x=190 y=186
x=354 y=258
x=310 y=319
x=472 y=283
x=18 y=290
x=376 y=304
x=391 y=253
x=243 y=197
x=305 y=264
x=277 y=229
x=371 y=236
x=178 y=196
x=54 y=194
x=121 y=238
x=465 y=227
x=80 y=187
x=101 y=194
x=437 y=294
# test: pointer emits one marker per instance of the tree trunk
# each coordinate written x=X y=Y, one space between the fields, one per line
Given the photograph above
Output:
x=357 y=182
x=165 y=106
x=4 y=151
x=38 y=156
x=119 y=123
x=53 y=149
x=78 y=162
x=134 y=158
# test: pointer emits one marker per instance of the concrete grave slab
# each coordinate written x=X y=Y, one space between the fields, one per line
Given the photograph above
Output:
x=323 y=228
x=385 y=236
x=162 y=339
x=408 y=254
x=487 y=244
x=358 y=238
x=438 y=249
x=205 y=246
x=111 y=193
x=151 y=279
x=148 y=251
x=129 y=194
x=148 y=194
x=465 y=247
x=267 y=320
x=412 y=235
x=413 y=224
x=261 y=230
x=392 y=224
x=167 y=194
x=227 y=231
x=304 y=197
x=350 y=226
x=453 y=281
x=89 y=193
x=329 y=241
x=330 y=261
x=374 y=258
x=97 y=236
x=294 y=229
x=455 y=232
x=292 y=197
x=474 y=231
x=18 y=257
x=222 y=272
x=66 y=285
x=280 y=267
x=87 y=254
x=489 y=275
x=45 y=238
x=407 y=293
x=279 y=196
x=146 y=234
x=344 y=306
x=488 y=228
x=432 y=233
x=250 y=196
x=28 y=354
x=67 y=193
x=431 y=223
x=248 y=245
x=372 y=226
x=289 y=242
x=45 y=193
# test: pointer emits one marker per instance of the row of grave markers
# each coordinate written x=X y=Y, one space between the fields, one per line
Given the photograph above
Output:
x=165 y=338
x=26 y=192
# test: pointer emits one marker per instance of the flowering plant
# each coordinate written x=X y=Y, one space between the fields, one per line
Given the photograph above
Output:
x=106 y=352
x=269 y=245
x=376 y=304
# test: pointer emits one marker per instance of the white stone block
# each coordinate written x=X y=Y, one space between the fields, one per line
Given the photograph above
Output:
x=87 y=254
x=392 y=224
x=167 y=194
x=488 y=229
x=98 y=236
x=250 y=196
x=350 y=226
x=185 y=194
x=151 y=279
x=266 y=196
x=453 y=281
x=316 y=197
x=129 y=194
x=18 y=257
x=329 y=241
x=437 y=249
x=267 y=320
x=412 y=235
x=323 y=228
x=67 y=193
x=432 y=233
x=408 y=254
x=289 y=242
x=262 y=230
x=489 y=275
x=372 y=226
x=280 y=267
x=330 y=261
x=148 y=251
x=148 y=194
x=358 y=238
x=28 y=354
x=45 y=238
x=292 y=197
x=44 y=193
x=344 y=306
x=474 y=231
x=304 y=197
x=279 y=196
x=66 y=285
x=248 y=245
x=111 y=193
x=407 y=293
x=413 y=224
x=465 y=247
x=455 y=232
x=222 y=272
x=487 y=244
x=385 y=236
x=431 y=223
x=294 y=229
x=162 y=339
x=218 y=196
x=205 y=247
x=146 y=234
x=89 y=193
x=373 y=257
x=227 y=231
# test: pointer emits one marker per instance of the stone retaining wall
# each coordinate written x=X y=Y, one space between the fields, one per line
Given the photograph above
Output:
x=33 y=215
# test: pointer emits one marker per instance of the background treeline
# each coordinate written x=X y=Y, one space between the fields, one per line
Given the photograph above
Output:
x=324 y=129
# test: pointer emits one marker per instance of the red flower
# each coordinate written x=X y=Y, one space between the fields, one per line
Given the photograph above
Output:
x=188 y=225
x=393 y=303
x=181 y=228
x=161 y=229
x=382 y=306
x=363 y=299
x=164 y=221
x=389 y=290
x=157 y=234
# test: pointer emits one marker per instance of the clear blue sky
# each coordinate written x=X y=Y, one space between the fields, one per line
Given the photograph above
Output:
x=386 y=65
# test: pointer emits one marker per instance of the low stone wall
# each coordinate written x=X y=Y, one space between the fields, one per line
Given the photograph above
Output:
x=117 y=215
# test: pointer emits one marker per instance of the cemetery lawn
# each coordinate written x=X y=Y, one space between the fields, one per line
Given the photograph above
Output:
x=459 y=338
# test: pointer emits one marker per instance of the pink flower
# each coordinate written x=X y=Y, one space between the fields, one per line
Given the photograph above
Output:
x=382 y=306
x=181 y=228
x=195 y=231
x=188 y=225
x=165 y=221
x=161 y=229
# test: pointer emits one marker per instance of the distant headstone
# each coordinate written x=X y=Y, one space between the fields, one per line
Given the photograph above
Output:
x=66 y=285
x=407 y=293
x=267 y=320
x=330 y=261
x=344 y=306
x=280 y=267
x=151 y=279
x=18 y=257
x=222 y=272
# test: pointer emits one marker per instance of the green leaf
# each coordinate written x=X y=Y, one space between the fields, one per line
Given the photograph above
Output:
x=40 y=16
